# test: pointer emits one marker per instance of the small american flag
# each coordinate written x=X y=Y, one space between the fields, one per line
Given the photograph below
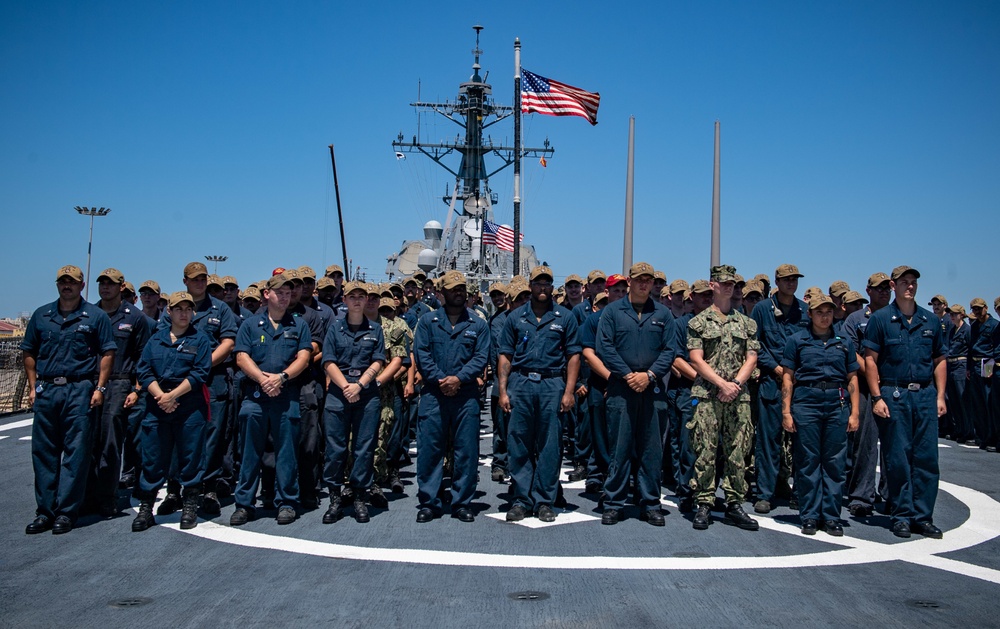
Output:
x=500 y=236
x=552 y=98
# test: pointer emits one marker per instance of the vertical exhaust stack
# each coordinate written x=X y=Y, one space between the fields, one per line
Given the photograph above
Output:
x=629 y=196
x=716 y=212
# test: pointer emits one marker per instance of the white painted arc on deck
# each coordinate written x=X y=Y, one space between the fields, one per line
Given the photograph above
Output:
x=977 y=529
x=18 y=424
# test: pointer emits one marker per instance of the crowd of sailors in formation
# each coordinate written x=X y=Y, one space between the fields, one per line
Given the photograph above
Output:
x=301 y=387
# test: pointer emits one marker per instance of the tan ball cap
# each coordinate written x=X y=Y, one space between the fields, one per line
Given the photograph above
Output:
x=194 y=269
x=701 y=286
x=641 y=268
x=839 y=288
x=178 y=298
x=821 y=299
x=113 y=275
x=877 y=279
x=787 y=270
x=902 y=270
x=853 y=296
x=70 y=271
x=541 y=271
x=452 y=279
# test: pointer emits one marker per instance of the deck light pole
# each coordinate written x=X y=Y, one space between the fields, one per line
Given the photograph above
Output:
x=91 y=212
x=216 y=260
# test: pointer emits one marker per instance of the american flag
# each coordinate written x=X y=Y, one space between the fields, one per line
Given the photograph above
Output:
x=500 y=236
x=552 y=98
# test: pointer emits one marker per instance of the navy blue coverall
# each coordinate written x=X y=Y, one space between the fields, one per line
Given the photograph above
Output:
x=441 y=350
x=628 y=343
x=67 y=349
x=820 y=406
x=906 y=354
x=179 y=435
x=539 y=351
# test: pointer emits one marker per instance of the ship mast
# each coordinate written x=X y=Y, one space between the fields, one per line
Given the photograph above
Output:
x=474 y=111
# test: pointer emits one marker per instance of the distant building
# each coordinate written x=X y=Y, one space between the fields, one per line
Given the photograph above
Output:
x=10 y=330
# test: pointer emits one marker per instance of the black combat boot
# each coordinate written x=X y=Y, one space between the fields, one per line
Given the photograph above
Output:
x=333 y=513
x=395 y=482
x=360 y=509
x=170 y=504
x=145 y=518
x=377 y=498
x=736 y=516
x=703 y=517
x=189 y=514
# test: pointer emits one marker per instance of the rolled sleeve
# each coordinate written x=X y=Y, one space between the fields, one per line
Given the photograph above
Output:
x=202 y=364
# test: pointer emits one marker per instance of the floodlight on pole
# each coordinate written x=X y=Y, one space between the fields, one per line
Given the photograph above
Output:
x=91 y=212
x=216 y=260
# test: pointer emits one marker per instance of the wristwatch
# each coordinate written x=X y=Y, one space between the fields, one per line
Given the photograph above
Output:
x=284 y=377
x=876 y=399
x=651 y=375
x=101 y=389
x=737 y=382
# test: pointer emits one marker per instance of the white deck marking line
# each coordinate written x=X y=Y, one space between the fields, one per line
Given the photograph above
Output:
x=2 y=437
x=562 y=517
x=28 y=438
x=983 y=512
x=18 y=424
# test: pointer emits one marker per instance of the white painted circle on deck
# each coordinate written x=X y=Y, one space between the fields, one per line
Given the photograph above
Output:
x=984 y=512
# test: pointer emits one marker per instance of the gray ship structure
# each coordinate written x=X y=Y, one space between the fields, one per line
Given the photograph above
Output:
x=458 y=244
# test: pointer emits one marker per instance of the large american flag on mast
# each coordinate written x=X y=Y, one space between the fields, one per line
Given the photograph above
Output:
x=500 y=236
x=552 y=98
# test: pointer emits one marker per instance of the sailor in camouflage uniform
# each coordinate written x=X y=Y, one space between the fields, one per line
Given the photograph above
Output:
x=723 y=350
x=398 y=338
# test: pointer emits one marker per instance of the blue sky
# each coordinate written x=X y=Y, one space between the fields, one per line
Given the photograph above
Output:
x=855 y=136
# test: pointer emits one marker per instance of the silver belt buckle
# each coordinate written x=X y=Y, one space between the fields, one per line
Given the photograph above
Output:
x=534 y=376
x=913 y=386
x=61 y=380
x=354 y=372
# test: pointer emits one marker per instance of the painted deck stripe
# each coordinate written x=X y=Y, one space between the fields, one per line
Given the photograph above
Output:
x=979 y=528
x=18 y=424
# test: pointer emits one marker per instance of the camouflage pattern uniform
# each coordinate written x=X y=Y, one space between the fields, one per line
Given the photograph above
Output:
x=725 y=341
x=398 y=337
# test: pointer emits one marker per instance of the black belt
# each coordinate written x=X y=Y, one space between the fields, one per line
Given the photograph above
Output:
x=912 y=386
x=679 y=382
x=822 y=386
x=61 y=380
x=533 y=375
x=121 y=376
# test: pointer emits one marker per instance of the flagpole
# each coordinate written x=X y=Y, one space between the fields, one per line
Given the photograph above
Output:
x=516 y=270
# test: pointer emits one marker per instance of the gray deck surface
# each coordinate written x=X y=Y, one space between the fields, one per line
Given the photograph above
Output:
x=369 y=575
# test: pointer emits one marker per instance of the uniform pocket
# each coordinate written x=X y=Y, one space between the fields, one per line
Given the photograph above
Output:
x=81 y=345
